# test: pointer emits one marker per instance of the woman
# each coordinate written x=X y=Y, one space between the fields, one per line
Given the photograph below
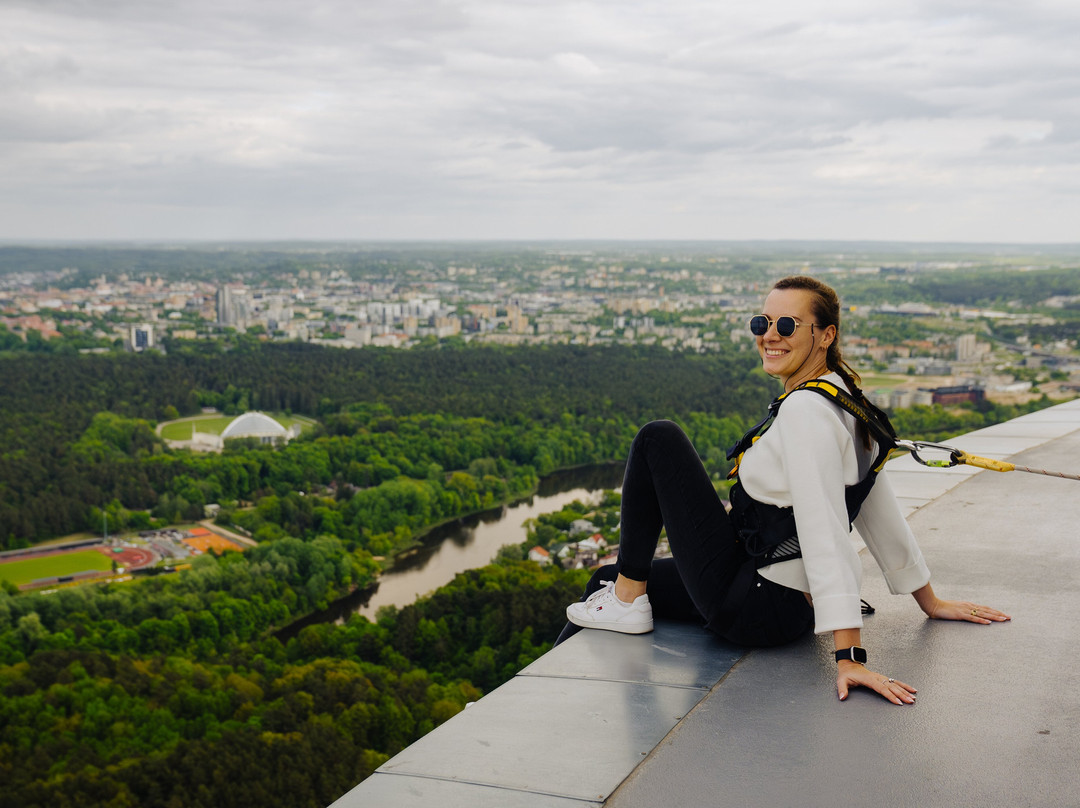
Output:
x=811 y=454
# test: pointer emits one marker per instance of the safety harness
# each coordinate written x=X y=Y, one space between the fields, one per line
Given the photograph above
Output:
x=768 y=532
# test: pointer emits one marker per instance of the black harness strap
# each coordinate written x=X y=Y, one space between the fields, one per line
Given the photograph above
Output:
x=876 y=422
x=768 y=531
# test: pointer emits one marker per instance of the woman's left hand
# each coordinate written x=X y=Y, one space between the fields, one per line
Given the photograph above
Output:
x=852 y=674
x=963 y=610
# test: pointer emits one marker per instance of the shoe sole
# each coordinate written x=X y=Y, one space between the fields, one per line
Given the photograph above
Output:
x=621 y=628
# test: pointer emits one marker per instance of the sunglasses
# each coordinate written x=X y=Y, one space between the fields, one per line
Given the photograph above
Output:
x=785 y=326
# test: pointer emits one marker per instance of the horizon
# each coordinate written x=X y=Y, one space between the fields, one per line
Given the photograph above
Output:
x=151 y=241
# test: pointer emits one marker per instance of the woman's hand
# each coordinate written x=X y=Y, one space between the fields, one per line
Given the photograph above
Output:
x=938 y=609
x=963 y=610
x=851 y=674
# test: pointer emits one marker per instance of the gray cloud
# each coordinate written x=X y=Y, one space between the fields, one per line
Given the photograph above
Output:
x=475 y=118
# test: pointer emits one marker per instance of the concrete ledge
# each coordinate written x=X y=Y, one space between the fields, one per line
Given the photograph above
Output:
x=620 y=695
x=680 y=717
x=997 y=722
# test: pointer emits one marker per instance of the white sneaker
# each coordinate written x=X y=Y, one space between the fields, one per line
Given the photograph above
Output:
x=603 y=610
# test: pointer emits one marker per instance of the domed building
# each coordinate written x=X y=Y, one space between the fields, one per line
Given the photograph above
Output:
x=256 y=425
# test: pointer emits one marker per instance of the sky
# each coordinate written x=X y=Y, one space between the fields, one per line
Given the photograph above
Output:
x=944 y=120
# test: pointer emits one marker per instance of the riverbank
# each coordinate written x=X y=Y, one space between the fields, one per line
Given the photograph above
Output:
x=547 y=485
x=466 y=542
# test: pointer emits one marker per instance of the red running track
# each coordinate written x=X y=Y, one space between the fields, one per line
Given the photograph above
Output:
x=131 y=558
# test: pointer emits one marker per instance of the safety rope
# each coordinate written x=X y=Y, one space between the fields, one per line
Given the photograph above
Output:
x=957 y=457
x=883 y=434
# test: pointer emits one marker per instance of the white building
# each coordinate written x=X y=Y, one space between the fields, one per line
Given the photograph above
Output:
x=141 y=337
x=540 y=556
x=255 y=425
x=966 y=347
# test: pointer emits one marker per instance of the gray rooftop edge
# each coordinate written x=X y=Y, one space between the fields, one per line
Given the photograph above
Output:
x=679 y=716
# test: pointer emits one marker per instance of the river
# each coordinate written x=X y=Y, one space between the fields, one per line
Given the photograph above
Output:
x=463 y=544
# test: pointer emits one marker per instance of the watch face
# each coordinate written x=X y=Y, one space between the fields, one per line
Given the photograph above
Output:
x=855 y=653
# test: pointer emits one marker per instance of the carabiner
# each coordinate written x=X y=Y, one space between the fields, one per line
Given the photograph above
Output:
x=913 y=446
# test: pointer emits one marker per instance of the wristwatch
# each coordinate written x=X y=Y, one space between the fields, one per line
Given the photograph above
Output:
x=855 y=653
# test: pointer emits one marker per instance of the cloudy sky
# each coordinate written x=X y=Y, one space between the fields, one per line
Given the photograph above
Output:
x=943 y=120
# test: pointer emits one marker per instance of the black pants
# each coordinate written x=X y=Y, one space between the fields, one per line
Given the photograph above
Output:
x=710 y=578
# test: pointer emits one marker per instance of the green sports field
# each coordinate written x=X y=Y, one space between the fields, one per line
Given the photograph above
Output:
x=181 y=430
x=874 y=380
x=26 y=570
x=215 y=425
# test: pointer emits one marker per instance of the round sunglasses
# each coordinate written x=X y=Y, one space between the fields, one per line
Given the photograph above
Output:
x=785 y=326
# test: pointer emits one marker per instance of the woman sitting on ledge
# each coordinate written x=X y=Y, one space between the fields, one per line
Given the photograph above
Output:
x=808 y=464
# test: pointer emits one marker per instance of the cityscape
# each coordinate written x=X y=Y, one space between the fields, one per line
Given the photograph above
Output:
x=695 y=300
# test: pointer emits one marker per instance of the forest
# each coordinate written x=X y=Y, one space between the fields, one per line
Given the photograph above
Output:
x=177 y=690
x=198 y=706
x=58 y=461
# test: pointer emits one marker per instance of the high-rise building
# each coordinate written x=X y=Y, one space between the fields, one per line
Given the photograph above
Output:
x=141 y=337
x=966 y=347
x=224 y=306
x=233 y=307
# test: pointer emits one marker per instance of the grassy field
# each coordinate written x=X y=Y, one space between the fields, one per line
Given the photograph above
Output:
x=181 y=430
x=215 y=425
x=26 y=570
x=874 y=380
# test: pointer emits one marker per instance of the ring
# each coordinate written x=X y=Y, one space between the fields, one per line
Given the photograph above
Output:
x=974 y=612
x=892 y=680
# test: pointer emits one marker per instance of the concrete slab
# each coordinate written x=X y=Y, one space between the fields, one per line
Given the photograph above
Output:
x=908 y=505
x=594 y=684
x=996 y=447
x=997 y=722
x=677 y=654
x=1066 y=412
x=921 y=485
x=1044 y=430
x=425 y=792
x=534 y=734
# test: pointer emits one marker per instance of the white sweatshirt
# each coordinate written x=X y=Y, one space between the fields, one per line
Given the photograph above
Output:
x=804 y=460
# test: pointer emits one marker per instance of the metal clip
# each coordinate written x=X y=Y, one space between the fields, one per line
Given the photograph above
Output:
x=914 y=446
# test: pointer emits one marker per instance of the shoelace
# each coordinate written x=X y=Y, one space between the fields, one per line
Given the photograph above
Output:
x=609 y=586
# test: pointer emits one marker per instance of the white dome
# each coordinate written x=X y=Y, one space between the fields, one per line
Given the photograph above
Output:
x=254 y=425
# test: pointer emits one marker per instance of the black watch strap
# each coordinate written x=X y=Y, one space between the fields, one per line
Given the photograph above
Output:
x=855 y=653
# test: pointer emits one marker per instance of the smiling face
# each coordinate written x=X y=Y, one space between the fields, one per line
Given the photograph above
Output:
x=801 y=356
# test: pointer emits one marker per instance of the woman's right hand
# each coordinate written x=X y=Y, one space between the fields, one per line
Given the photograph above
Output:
x=939 y=609
x=963 y=610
